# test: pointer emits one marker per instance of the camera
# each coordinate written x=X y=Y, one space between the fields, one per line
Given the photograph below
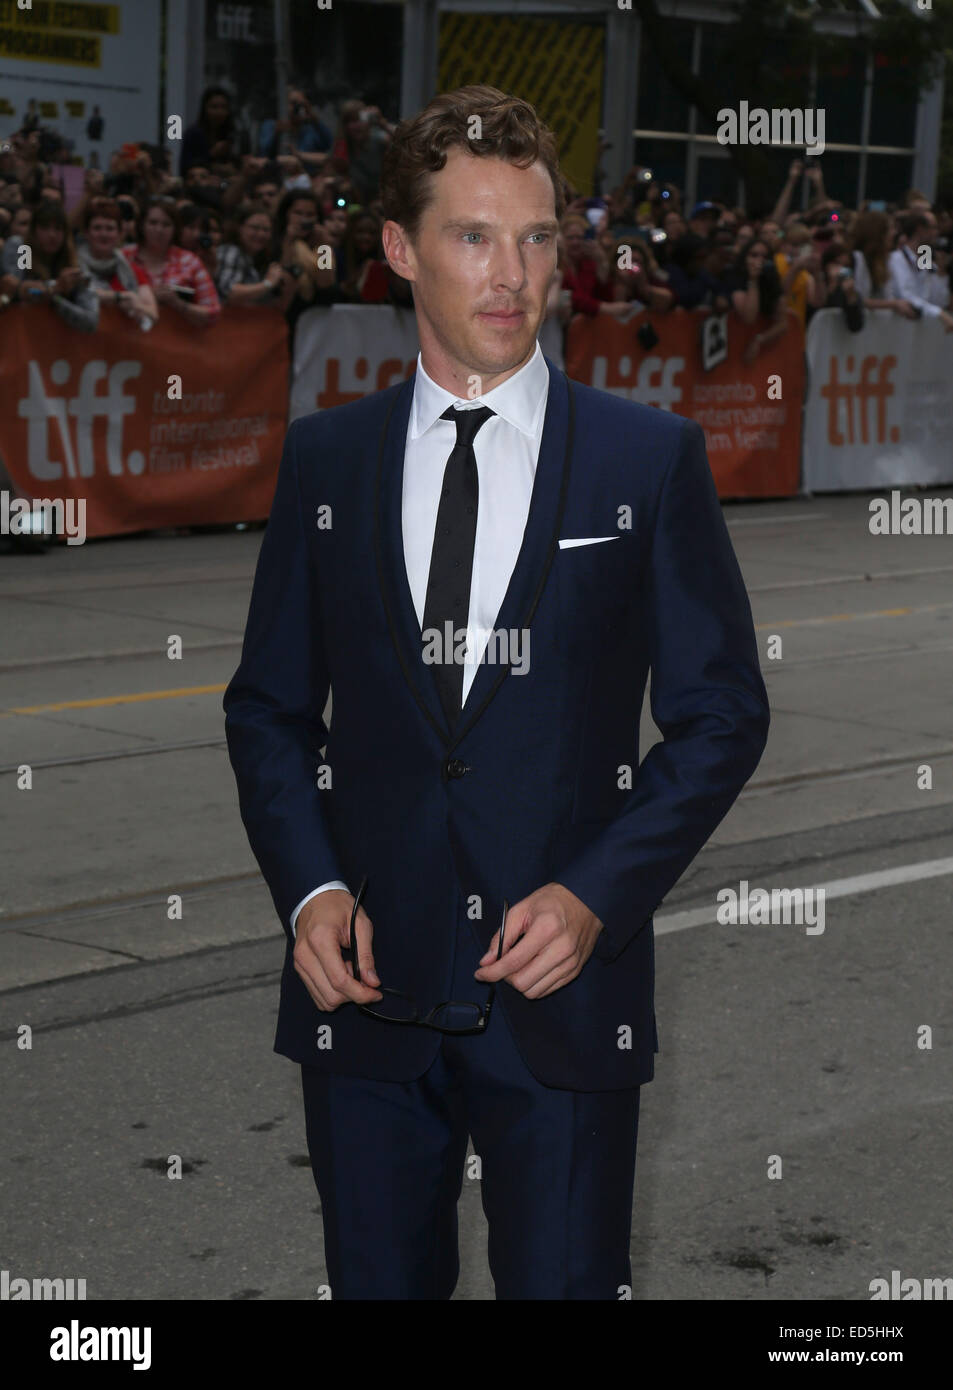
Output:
x=299 y=109
x=843 y=272
x=658 y=236
x=646 y=176
x=205 y=241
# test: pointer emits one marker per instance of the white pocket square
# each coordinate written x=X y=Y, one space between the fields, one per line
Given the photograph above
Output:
x=586 y=540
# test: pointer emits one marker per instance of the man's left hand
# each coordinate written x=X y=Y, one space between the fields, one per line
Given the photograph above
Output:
x=548 y=937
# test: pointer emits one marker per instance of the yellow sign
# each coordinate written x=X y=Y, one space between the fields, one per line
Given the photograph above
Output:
x=35 y=46
x=555 y=66
x=62 y=14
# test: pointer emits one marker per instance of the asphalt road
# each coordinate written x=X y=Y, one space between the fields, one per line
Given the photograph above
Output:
x=152 y=1037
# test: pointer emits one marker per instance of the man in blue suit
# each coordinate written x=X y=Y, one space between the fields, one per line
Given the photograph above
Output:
x=483 y=564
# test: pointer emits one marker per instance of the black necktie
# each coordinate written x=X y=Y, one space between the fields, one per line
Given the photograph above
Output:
x=451 y=561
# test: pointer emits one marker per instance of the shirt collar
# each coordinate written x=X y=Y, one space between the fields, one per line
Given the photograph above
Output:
x=519 y=400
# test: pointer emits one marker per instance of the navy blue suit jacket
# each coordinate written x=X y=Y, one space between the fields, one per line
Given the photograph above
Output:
x=530 y=787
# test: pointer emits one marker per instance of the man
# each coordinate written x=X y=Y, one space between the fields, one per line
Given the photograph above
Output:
x=919 y=284
x=484 y=562
x=301 y=133
x=703 y=219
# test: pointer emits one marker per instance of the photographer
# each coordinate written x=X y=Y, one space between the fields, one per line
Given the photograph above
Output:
x=55 y=276
x=301 y=133
x=112 y=278
x=200 y=231
x=300 y=234
x=757 y=297
x=840 y=289
x=643 y=283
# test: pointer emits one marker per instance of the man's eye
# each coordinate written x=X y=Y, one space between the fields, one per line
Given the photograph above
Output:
x=466 y=234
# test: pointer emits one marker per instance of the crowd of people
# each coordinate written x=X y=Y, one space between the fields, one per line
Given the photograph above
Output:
x=296 y=222
x=295 y=225
x=638 y=243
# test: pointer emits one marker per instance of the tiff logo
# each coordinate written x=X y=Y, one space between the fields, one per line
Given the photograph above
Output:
x=49 y=415
x=651 y=383
x=847 y=401
x=234 y=22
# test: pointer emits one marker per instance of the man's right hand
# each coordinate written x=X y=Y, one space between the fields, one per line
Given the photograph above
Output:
x=322 y=932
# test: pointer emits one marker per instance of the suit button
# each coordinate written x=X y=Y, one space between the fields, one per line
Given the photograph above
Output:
x=455 y=767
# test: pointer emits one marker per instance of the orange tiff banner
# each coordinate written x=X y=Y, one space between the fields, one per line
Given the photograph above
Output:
x=751 y=415
x=172 y=427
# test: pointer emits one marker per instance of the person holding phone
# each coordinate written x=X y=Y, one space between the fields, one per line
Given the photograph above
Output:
x=178 y=278
x=55 y=276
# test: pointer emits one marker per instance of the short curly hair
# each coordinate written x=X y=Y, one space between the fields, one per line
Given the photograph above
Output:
x=509 y=129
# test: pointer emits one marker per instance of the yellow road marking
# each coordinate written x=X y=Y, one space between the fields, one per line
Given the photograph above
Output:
x=133 y=699
x=140 y=696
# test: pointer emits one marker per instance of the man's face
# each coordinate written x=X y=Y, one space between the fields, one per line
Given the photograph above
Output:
x=481 y=265
x=196 y=176
x=270 y=195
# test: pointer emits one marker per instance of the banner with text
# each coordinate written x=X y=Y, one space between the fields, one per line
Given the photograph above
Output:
x=879 y=403
x=751 y=413
x=173 y=427
x=88 y=71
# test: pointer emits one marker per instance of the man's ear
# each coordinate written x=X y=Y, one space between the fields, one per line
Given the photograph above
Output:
x=398 y=251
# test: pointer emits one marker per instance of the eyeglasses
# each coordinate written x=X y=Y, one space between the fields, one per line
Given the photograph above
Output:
x=453 y=1016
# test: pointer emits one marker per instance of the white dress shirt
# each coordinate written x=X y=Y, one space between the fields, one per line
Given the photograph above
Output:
x=506 y=449
x=926 y=290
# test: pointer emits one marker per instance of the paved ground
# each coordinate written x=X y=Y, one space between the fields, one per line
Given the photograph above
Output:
x=153 y=1037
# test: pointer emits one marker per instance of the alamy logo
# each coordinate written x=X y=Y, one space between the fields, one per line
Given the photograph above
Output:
x=19 y=1289
x=43 y=516
x=75 y=1343
x=910 y=1289
x=779 y=126
x=60 y=428
x=503 y=646
x=780 y=906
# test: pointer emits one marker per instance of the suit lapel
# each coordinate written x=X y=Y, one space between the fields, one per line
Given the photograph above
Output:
x=540 y=539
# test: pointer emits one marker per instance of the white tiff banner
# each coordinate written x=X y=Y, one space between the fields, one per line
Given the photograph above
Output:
x=879 y=405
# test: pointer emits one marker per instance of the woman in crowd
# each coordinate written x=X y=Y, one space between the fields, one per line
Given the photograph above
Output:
x=20 y=222
x=757 y=297
x=870 y=246
x=642 y=280
x=246 y=273
x=215 y=137
x=111 y=276
x=55 y=276
x=178 y=278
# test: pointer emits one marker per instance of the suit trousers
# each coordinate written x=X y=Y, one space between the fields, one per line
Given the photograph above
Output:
x=556 y=1170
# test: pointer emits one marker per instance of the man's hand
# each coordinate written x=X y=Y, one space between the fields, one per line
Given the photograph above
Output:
x=322 y=931
x=548 y=937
